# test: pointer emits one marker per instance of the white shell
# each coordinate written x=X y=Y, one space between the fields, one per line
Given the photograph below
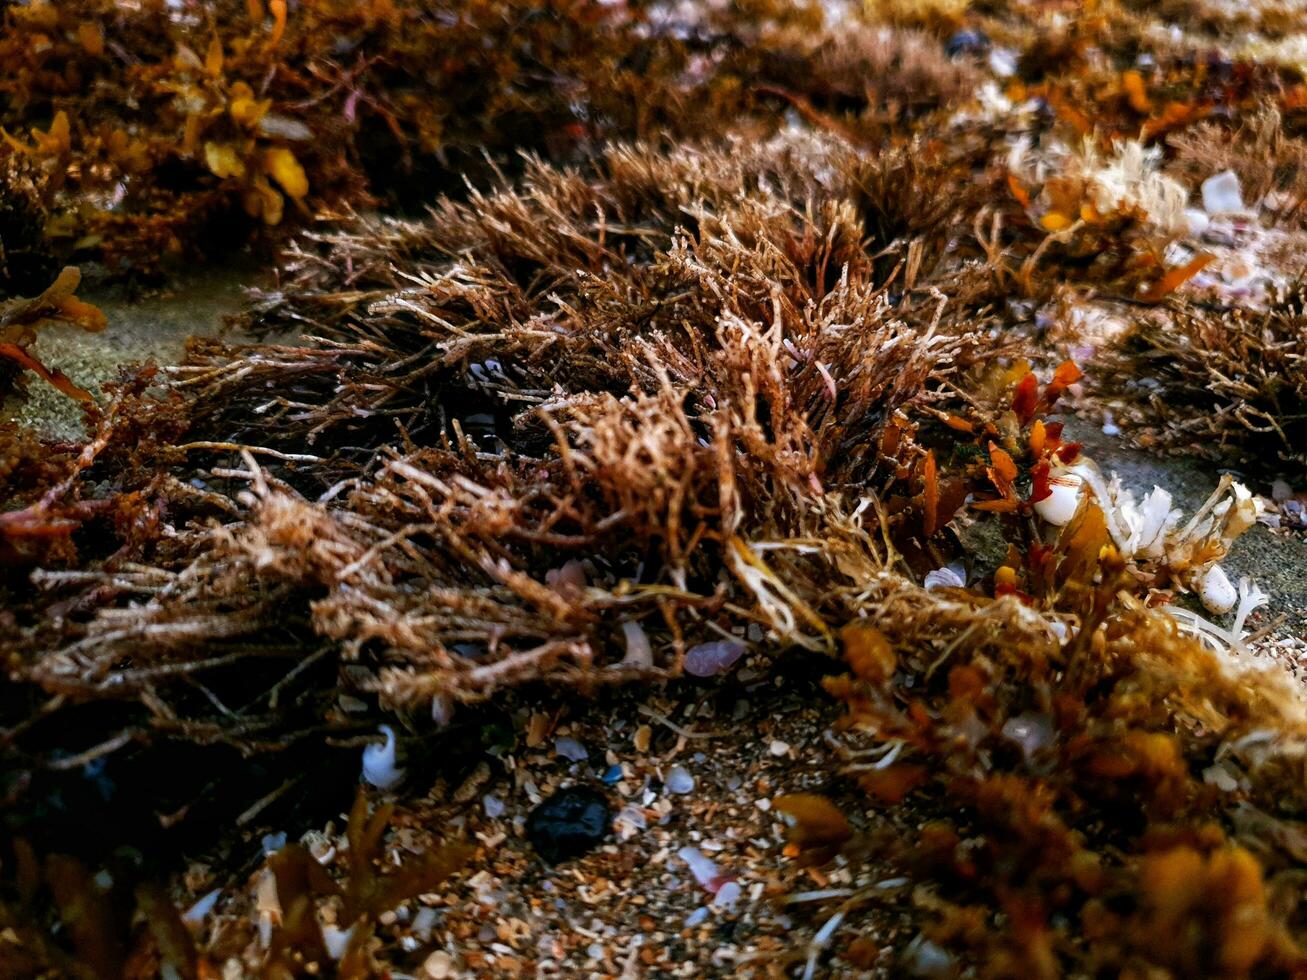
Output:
x=1063 y=501
x=1216 y=590
x=336 y=940
x=638 y=652
x=1221 y=194
x=379 y=762
x=1196 y=221
x=951 y=576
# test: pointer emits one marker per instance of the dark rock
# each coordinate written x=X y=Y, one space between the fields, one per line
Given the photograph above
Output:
x=569 y=823
x=966 y=42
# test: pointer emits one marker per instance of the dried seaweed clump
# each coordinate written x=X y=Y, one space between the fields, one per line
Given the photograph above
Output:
x=1271 y=164
x=153 y=130
x=565 y=430
x=1229 y=386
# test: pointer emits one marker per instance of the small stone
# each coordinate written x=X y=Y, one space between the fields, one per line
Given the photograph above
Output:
x=679 y=781
x=493 y=805
x=1280 y=491
x=779 y=748
x=569 y=823
x=641 y=738
x=438 y=965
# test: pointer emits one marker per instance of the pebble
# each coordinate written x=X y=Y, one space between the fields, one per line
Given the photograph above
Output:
x=494 y=806
x=438 y=965
x=679 y=781
x=779 y=748
x=641 y=738
x=696 y=917
x=568 y=824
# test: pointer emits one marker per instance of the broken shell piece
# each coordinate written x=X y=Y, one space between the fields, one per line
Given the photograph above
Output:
x=951 y=576
x=336 y=940
x=1221 y=194
x=268 y=906
x=1216 y=590
x=1062 y=501
x=196 y=913
x=1197 y=221
x=713 y=658
x=379 y=762
x=638 y=652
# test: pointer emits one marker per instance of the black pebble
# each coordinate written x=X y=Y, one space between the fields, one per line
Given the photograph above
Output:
x=569 y=823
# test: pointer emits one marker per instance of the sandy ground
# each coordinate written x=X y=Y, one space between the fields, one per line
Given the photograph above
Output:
x=153 y=326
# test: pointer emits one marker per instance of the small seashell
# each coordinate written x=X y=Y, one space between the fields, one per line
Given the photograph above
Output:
x=379 y=762
x=727 y=895
x=1216 y=590
x=638 y=652
x=711 y=659
x=703 y=868
x=679 y=781
x=1062 y=501
x=197 y=912
x=951 y=576
x=1222 y=194
x=336 y=940
x=571 y=749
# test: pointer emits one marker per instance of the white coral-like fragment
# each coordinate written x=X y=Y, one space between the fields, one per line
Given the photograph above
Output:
x=1250 y=599
x=1132 y=180
x=1149 y=523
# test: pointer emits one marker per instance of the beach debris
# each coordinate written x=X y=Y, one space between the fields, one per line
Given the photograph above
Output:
x=1222 y=195
x=569 y=823
x=1216 y=590
x=705 y=870
x=379 y=767
x=639 y=654
x=713 y=658
x=570 y=749
x=679 y=781
x=950 y=576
